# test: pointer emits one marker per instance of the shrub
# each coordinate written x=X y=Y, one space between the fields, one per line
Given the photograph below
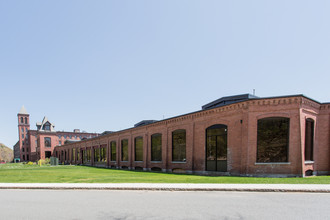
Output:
x=30 y=163
x=44 y=162
x=47 y=161
x=41 y=162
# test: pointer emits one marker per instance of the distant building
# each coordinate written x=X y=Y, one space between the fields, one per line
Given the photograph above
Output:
x=39 y=144
x=17 y=153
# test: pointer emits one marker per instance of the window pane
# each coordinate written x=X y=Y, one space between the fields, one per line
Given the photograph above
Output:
x=139 y=149
x=113 y=151
x=47 y=142
x=309 y=139
x=47 y=127
x=156 y=147
x=88 y=155
x=96 y=154
x=103 y=155
x=273 y=140
x=124 y=150
x=179 y=145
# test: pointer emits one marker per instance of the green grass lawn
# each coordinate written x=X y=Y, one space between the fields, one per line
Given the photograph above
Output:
x=19 y=173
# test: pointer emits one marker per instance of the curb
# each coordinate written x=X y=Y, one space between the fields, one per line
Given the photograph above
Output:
x=174 y=189
x=309 y=188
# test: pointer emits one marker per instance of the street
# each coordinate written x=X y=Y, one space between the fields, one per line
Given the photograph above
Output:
x=103 y=204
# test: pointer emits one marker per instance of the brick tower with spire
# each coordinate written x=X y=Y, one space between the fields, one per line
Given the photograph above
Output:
x=33 y=145
x=23 y=128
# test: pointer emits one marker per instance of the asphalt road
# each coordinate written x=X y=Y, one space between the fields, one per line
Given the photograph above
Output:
x=98 y=204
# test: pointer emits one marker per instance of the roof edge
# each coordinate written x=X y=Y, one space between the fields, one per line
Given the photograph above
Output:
x=256 y=98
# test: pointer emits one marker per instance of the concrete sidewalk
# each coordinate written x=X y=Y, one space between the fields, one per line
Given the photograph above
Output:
x=319 y=188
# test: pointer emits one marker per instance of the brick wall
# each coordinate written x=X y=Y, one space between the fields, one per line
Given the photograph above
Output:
x=241 y=120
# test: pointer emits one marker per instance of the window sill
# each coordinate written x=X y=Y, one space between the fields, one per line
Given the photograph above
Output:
x=274 y=163
x=178 y=162
x=309 y=162
x=156 y=161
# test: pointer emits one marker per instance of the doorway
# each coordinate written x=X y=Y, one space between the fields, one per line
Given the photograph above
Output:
x=216 y=148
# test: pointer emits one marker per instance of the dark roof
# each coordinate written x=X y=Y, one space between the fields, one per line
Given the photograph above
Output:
x=144 y=122
x=107 y=132
x=228 y=100
x=70 y=141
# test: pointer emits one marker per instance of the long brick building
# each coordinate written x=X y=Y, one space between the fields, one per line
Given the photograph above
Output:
x=237 y=135
x=38 y=144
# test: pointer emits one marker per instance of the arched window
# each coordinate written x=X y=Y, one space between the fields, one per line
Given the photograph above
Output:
x=22 y=120
x=156 y=147
x=83 y=156
x=179 y=145
x=113 y=150
x=273 y=140
x=138 y=148
x=96 y=154
x=309 y=139
x=103 y=154
x=25 y=120
x=124 y=150
x=88 y=155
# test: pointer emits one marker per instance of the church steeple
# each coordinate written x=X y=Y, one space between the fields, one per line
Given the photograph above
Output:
x=23 y=111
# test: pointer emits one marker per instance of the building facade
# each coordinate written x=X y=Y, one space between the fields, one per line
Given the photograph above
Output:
x=40 y=143
x=240 y=135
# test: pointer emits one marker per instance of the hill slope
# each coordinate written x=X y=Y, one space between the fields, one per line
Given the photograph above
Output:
x=6 y=154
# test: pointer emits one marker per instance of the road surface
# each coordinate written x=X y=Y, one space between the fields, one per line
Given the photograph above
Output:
x=99 y=204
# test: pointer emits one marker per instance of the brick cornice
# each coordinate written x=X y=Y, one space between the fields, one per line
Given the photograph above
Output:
x=272 y=101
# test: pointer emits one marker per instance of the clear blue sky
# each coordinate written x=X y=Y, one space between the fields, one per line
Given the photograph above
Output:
x=106 y=65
